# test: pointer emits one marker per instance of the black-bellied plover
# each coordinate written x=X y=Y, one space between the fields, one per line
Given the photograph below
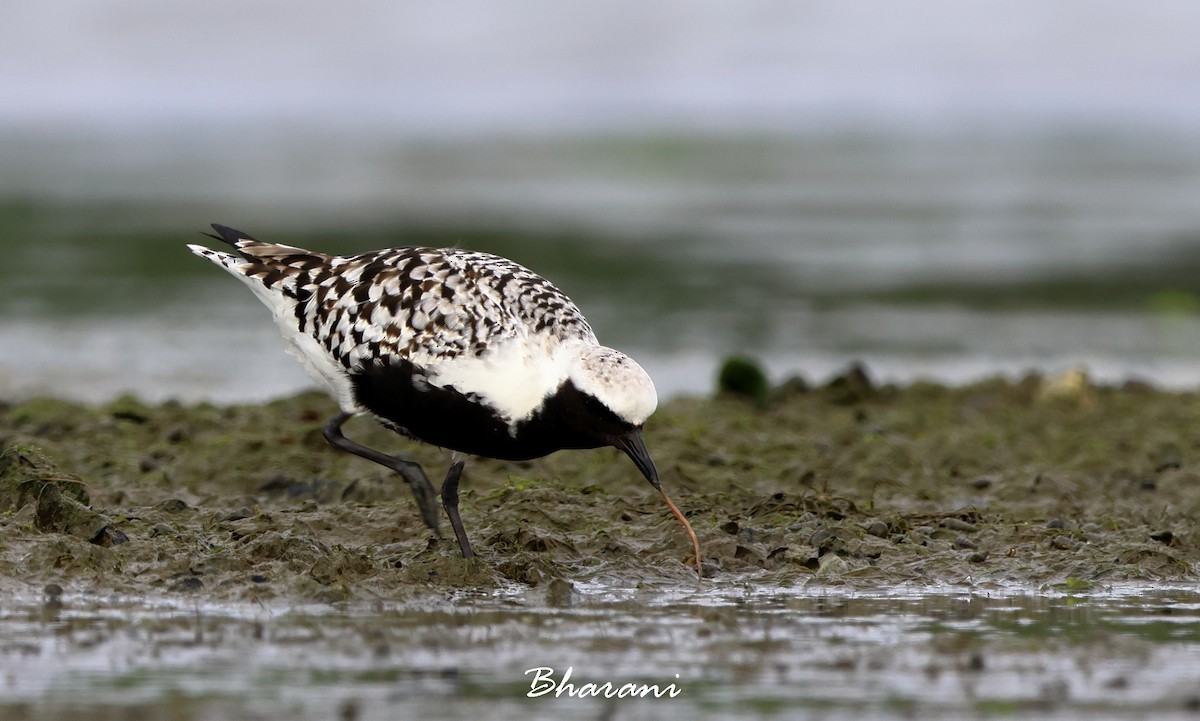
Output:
x=463 y=350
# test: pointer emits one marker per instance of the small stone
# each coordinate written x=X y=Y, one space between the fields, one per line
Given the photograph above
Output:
x=963 y=542
x=820 y=538
x=832 y=564
x=745 y=552
x=1149 y=485
x=162 y=529
x=977 y=557
x=191 y=583
x=238 y=515
x=957 y=524
x=879 y=529
x=109 y=536
x=173 y=505
x=981 y=483
x=1164 y=537
x=730 y=527
x=1062 y=543
x=1055 y=523
x=52 y=589
x=920 y=535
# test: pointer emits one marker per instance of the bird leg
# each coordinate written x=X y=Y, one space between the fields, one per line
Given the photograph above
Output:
x=410 y=471
x=450 y=503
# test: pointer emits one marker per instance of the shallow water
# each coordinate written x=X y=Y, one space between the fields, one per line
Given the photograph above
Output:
x=731 y=649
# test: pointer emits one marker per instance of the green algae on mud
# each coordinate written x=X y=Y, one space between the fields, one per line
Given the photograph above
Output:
x=1039 y=481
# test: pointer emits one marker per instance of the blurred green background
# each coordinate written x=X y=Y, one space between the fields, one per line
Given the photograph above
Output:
x=940 y=191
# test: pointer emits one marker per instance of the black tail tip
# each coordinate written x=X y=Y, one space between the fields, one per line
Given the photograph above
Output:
x=229 y=235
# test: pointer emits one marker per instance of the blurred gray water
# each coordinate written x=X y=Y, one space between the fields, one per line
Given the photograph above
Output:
x=940 y=189
x=734 y=649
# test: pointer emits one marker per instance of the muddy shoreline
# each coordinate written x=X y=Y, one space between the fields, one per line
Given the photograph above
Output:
x=1038 y=481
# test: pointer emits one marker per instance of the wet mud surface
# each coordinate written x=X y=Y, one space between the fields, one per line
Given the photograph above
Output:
x=183 y=535
x=1038 y=481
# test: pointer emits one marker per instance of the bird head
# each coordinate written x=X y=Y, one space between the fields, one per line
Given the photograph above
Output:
x=615 y=397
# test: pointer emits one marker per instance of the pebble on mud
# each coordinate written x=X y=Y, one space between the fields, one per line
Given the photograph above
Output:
x=746 y=553
x=957 y=524
x=822 y=538
x=1164 y=537
x=879 y=529
x=1063 y=543
x=188 y=584
x=832 y=564
x=173 y=505
x=237 y=515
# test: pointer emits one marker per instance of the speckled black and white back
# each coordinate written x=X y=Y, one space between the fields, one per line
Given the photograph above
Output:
x=490 y=328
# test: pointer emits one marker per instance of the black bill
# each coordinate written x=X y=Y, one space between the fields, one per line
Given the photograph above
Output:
x=635 y=447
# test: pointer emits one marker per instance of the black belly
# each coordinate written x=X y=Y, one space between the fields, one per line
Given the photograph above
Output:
x=398 y=394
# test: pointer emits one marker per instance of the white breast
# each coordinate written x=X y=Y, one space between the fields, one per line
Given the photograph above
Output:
x=514 y=377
